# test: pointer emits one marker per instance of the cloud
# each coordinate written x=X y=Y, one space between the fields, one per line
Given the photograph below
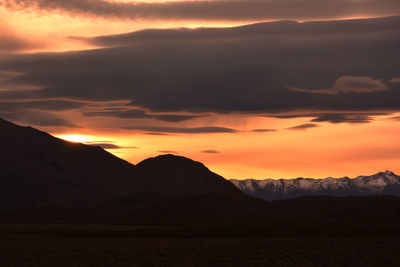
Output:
x=38 y=118
x=333 y=117
x=157 y=134
x=168 y=152
x=395 y=80
x=50 y=105
x=210 y=151
x=213 y=10
x=10 y=42
x=108 y=145
x=188 y=130
x=303 y=127
x=347 y=85
x=340 y=118
x=396 y=118
x=140 y=114
x=287 y=30
x=245 y=69
x=263 y=130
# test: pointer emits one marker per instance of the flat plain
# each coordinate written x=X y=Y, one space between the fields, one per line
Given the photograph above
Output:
x=113 y=245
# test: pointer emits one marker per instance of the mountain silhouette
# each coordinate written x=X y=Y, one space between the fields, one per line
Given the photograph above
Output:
x=38 y=169
x=382 y=183
x=176 y=174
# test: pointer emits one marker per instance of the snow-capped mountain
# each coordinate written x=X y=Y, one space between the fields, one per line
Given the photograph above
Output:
x=381 y=183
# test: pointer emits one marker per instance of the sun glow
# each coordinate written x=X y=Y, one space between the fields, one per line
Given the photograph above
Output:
x=77 y=138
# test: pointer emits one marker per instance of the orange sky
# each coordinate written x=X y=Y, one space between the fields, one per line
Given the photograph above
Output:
x=328 y=150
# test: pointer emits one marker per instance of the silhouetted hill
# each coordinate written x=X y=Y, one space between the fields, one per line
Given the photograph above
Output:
x=175 y=174
x=39 y=169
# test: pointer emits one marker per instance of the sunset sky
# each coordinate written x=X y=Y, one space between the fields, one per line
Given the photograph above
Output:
x=251 y=88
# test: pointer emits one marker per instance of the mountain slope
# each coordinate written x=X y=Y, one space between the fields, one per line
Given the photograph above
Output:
x=270 y=189
x=175 y=174
x=39 y=169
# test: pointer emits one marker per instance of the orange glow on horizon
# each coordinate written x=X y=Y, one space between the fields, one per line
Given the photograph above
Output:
x=335 y=150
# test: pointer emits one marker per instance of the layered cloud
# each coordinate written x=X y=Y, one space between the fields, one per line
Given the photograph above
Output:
x=302 y=127
x=214 y=10
x=108 y=145
x=340 y=118
x=210 y=151
x=334 y=117
x=338 y=71
x=181 y=130
x=263 y=130
x=49 y=105
x=11 y=43
x=139 y=114
x=39 y=118
x=349 y=85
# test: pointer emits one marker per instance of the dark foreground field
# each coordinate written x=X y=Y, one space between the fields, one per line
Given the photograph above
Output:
x=171 y=231
x=97 y=245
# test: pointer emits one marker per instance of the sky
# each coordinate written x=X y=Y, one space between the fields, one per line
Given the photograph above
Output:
x=251 y=88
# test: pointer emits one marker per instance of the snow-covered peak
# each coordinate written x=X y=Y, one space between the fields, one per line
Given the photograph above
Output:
x=379 y=183
x=387 y=172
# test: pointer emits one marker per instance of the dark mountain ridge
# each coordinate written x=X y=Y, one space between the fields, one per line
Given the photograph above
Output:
x=173 y=173
x=39 y=169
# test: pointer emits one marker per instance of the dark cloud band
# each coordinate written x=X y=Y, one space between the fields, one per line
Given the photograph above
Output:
x=39 y=118
x=108 y=145
x=210 y=151
x=215 y=10
x=344 y=68
x=11 y=43
x=140 y=114
x=182 y=130
x=303 y=127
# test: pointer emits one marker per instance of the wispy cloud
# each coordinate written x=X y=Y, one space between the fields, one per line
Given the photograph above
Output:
x=396 y=118
x=140 y=114
x=342 y=117
x=212 y=10
x=348 y=85
x=263 y=130
x=10 y=42
x=210 y=151
x=303 y=127
x=183 y=130
x=39 y=118
x=108 y=145
x=168 y=152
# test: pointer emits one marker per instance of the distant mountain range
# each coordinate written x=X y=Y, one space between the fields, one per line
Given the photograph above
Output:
x=382 y=183
x=37 y=169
